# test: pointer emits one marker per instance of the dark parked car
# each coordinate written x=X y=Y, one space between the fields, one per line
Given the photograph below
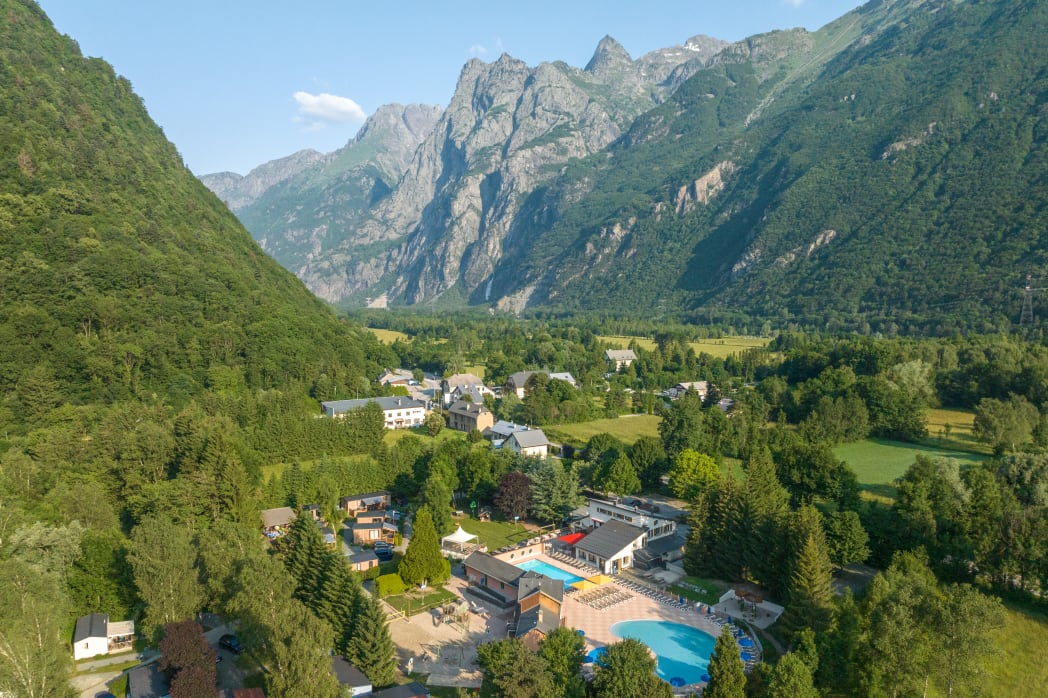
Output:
x=231 y=643
x=384 y=554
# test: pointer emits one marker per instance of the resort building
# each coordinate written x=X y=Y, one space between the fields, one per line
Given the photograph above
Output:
x=370 y=501
x=661 y=541
x=611 y=547
x=467 y=416
x=537 y=600
x=400 y=412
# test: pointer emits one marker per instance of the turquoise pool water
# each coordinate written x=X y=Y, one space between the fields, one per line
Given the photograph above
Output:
x=548 y=570
x=682 y=650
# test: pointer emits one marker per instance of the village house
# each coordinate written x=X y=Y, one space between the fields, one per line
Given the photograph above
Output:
x=502 y=430
x=516 y=382
x=374 y=532
x=619 y=359
x=467 y=416
x=95 y=634
x=399 y=412
x=531 y=442
x=453 y=387
x=399 y=376
x=370 y=501
x=363 y=561
x=678 y=391
x=566 y=377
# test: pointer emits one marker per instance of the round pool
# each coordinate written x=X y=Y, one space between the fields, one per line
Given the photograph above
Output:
x=682 y=651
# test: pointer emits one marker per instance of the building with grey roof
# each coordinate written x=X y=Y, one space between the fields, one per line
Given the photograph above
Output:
x=399 y=412
x=610 y=547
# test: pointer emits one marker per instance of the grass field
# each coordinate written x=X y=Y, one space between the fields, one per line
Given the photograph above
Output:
x=416 y=601
x=627 y=429
x=389 y=336
x=878 y=462
x=1019 y=668
x=721 y=348
x=495 y=534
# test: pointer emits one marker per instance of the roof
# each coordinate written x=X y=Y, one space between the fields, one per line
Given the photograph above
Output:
x=530 y=438
x=398 y=375
x=93 y=625
x=564 y=376
x=374 y=526
x=459 y=536
x=396 y=402
x=347 y=674
x=538 y=618
x=494 y=567
x=147 y=681
x=407 y=690
x=366 y=556
x=463 y=379
x=380 y=495
x=661 y=546
x=468 y=408
x=620 y=354
x=519 y=378
x=504 y=428
x=572 y=538
x=531 y=582
x=281 y=516
x=610 y=538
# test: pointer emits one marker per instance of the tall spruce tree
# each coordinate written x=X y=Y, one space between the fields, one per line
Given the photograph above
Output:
x=423 y=561
x=627 y=670
x=811 y=592
x=371 y=647
x=727 y=678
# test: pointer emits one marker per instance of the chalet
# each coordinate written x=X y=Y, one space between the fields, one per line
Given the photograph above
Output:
x=350 y=679
x=374 y=516
x=619 y=359
x=363 y=561
x=407 y=690
x=610 y=547
x=371 y=501
x=531 y=442
x=516 y=382
x=275 y=522
x=678 y=391
x=95 y=634
x=371 y=533
x=467 y=416
x=312 y=510
x=399 y=412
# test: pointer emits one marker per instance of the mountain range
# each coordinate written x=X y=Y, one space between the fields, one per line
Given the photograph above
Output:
x=886 y=169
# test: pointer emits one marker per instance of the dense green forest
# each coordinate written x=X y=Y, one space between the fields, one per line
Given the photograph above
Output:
x=155 y=363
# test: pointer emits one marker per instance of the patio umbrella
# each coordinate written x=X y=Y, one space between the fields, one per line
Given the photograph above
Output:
x=677 y=681
x=599 y=579
x=745 y=656
x=705 y=677
x=745 y=642
x=594 y=655
x=584 y=585
x=580 y=633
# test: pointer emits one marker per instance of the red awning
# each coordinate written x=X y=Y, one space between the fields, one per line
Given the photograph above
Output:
x=572 y=538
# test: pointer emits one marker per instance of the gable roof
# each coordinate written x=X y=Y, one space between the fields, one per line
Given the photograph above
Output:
x=620 y=355
x=468 y=408
x=494 y=567
x=530 y=438
x=532 y=582
x=610 y=538
x=347 y=674
x=396 y=402
x=281 y=516
x=564 y=376
x=93 y=625
x=460 y=379
x=368 y=497
x=366 y=556
x=504 y=428
x=518 y=379
x=539 y=618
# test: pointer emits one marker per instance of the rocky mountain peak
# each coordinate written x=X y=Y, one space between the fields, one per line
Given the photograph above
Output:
x=609 y=56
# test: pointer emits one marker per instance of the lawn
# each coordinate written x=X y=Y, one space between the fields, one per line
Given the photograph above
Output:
x=389 y=336
x=495 y=534
x=706 y=591
x=879 y=462
x=418 y=601
x=722 y=347
x=1018 y=669
x=627 y=429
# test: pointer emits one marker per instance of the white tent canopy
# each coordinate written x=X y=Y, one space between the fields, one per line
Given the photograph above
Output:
x=459 y=537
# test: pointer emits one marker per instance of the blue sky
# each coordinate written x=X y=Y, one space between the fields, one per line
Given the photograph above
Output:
x=236 y=83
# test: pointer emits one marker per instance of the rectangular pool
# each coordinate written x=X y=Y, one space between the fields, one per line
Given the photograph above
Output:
x=548 y=570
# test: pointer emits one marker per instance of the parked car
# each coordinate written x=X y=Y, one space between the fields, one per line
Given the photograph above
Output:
x=231 y=643
x=383 y=545
x=384 y=554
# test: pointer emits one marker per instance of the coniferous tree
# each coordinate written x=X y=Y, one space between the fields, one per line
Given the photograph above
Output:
x=792 y=678
x=727 y=678
x=564 y=650
x=371 y=647
x=423 y=561
x=811 y=591
x=304 y=558
x=627 y=670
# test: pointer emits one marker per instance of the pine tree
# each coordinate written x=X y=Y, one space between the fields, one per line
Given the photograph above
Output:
x=304 y=558
x=811 y=593
x=371 y=647
x=423 y=561
x=727 y=678
x=792 y=679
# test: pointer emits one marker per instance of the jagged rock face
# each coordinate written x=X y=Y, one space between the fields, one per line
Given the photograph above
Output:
x=238 y=191
x=302 y=219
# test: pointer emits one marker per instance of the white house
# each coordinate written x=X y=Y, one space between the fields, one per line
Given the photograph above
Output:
x=566 y=377
x=600 y=511
x=611 y=547
x=678 y=391
x=516 y=382
x=531 y=442
x=400 y=412
x=95 y=635
x=454 y=387
x=619 y=358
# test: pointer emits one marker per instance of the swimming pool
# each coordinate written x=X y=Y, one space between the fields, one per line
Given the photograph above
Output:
x=682 y=650
x=548 y=570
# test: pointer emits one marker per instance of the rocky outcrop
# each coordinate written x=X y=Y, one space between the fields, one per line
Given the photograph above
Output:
x=238 y=191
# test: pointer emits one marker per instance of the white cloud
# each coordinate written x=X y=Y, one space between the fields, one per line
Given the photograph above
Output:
x=478 y=50
x=793 y=3
x=326 y=107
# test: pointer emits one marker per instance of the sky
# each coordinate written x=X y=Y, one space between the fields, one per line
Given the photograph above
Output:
x=237 y=83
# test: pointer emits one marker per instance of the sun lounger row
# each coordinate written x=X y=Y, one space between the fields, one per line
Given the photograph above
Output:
x=653 y=594
x=605 y=598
